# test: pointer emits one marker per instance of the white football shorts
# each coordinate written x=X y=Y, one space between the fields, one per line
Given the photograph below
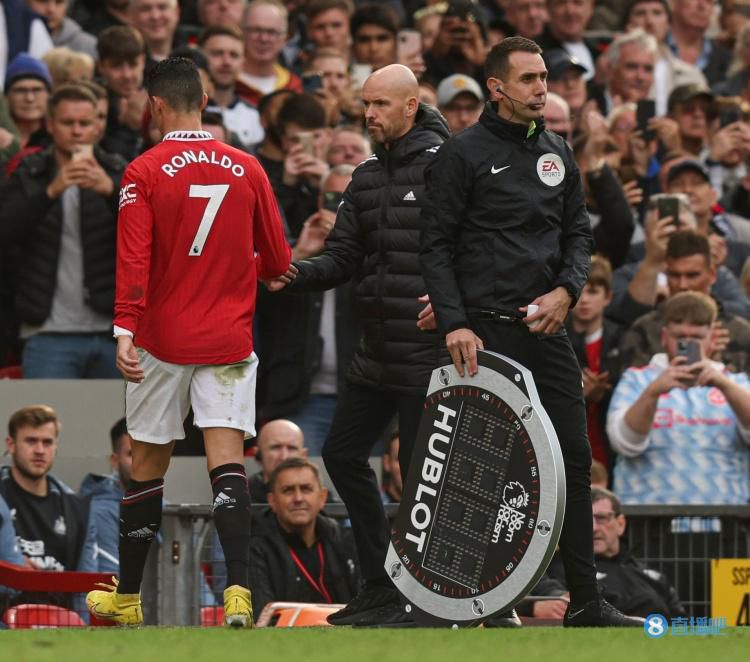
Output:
x=222 y=396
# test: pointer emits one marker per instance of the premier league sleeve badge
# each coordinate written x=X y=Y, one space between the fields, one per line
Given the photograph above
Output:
x=484 y=501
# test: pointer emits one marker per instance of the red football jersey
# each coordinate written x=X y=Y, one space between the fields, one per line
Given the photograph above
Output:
x=193 y=214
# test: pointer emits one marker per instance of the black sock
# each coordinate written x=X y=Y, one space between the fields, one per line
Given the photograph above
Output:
x=232 y=519
x=140 y=519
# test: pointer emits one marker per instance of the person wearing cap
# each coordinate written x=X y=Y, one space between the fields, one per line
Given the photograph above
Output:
x=565 y=77
x=654 y=16
x=27 y=85
x=692 y=108
x=460 y=99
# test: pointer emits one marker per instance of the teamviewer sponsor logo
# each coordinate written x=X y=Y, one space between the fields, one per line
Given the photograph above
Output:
x=127 y=195
x=551 y=169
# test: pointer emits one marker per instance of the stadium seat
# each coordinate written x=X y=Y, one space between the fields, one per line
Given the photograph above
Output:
x=212 y=616
x=11 y=372
x=24 y=617
x=295 y=614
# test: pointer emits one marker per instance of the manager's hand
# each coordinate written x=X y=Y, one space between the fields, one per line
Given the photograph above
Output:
x=463 y=345
x=553 y=308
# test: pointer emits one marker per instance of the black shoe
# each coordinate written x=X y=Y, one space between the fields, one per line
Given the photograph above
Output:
x=370 y=598
x=506 y=619
x=599 y=614
x=387 y=616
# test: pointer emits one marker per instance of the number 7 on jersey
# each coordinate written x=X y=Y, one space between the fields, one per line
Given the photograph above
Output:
x=215 y=194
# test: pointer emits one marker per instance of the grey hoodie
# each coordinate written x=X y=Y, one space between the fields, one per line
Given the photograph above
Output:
x=74 y=37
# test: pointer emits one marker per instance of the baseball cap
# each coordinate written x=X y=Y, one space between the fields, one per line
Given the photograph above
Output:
x=456 y=84
x=684 y=93
x=558 y=61
x=25 y=66
x=688 y=165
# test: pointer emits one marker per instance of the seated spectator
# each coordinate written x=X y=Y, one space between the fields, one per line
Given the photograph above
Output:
x=220 y=13
x=265 y=27
x=557 y=117
x=567 y=23
x=688 y=39
x=63 y=29
x=336 y=94
x=528 y=17
x=624 y=582
x=121 y=58
x=296 y=553
x=689 y=268
x=157 y=21
x=348 y=146
x=27 y=86
x=224 y=49
x=461 y=101
x=106 y=493
x=595 y=341
x=53 y=526
x=565 y=77
x=681 y=426
x=327 y=24
x=654 y=17
x=68 y=66
x=59 y=217
x=374 y=30
x=21 y=31
x=9 y=550
x=392 y=484
x=277 y=440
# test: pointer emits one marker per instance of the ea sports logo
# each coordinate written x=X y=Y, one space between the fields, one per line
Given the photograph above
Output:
x=550 y=168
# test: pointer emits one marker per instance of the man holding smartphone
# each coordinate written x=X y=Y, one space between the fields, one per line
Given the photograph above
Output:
x=681 y=425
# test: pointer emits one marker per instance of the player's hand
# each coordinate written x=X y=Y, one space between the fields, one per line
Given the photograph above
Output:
x=551 y=609
x=426 y=318
x=462 y=345
x=127 y=361
x=553 y=308
x=280 y=282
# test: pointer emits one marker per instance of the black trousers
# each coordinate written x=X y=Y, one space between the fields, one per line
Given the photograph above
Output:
x=361 y=417
x=557 y=375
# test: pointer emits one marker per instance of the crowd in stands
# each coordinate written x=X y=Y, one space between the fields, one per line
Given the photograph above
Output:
x=652 y=95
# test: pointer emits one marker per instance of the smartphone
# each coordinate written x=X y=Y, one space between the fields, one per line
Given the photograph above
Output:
x=690 y=349
x=307 y=140
x=645 y=110
x=729 y=115
x=311 y=83
x=409 y=43
x=669 y=205
x=82 y=152
x=332 y=200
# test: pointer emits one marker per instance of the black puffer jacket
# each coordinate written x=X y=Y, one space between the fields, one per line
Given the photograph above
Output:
x=376 y=239
x=31 y=226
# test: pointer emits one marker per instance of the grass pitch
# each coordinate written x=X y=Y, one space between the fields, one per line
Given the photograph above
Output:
x=347 y=645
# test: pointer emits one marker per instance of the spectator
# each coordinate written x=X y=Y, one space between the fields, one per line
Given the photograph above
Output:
x=348 y=146
x=374 y=28
x=733 y=19
x=296 y=553
x=427 y=20
x=224 y=49
x=528 y=17
x=27 y=86
x=106 y=14
x=565 y=77
x=739 y=72
x=654 y=17
x=630 y=73
x=67 y=66
x=328 y=24
x=567 y=22
x=106 y=492
x=59 y=212
x=277 y=440
x=9 y=550
x=264 y=25
x=691 y=107
x=631 y=587
x=122 y=56
x=102 y=107
x=392 y=482
x=21 y=31
x=53 y=528
x=459 y=47
x=461 y=101
x=557 y=116
x=688 y=39
x=269 y=152
x=681 y=427
x=595 y=341
x=336 y=93
x=212 y=121
x=220 y=13
x=63 y=29
x=309 y=342
x=689 y=268
x=157 y=21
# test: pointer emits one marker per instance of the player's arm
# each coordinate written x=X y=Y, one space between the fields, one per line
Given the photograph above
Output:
x=576 y=242
x=274 y=253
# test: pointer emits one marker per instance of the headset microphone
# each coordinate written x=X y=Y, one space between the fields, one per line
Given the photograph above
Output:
x=499 y=90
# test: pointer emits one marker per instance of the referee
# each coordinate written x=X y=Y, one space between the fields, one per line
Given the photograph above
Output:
x=506 y=226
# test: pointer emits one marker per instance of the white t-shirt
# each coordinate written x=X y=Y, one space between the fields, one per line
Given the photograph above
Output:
x=580 y=52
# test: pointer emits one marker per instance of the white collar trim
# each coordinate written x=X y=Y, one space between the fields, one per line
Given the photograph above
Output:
x=188 y=135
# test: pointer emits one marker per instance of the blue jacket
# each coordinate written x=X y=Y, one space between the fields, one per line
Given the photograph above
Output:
x=106 y=494
x=8 y=546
